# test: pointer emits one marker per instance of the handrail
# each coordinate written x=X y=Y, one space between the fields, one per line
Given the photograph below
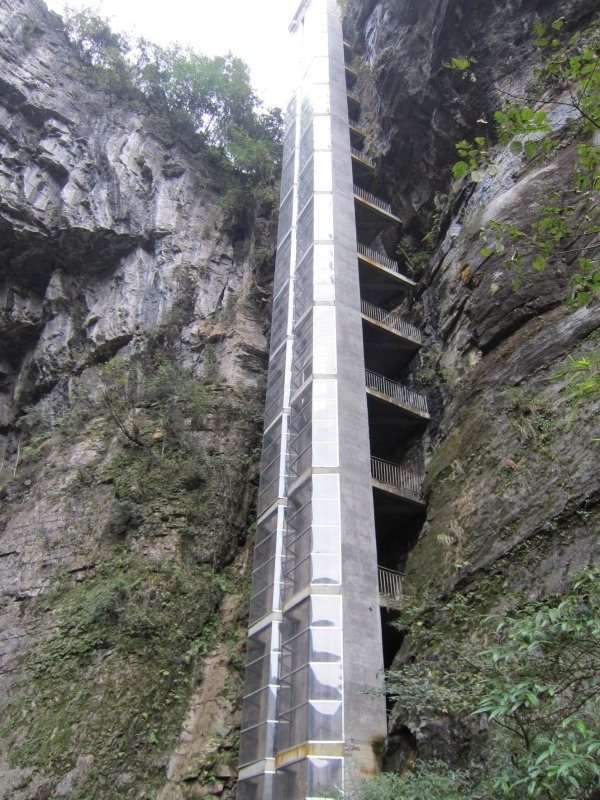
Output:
x=396 y=391
x=363 y=157
x=382 y=260
x=391 y=321
x=395 y=475
x=375 y=201
x=355 y=124
x=390 y=583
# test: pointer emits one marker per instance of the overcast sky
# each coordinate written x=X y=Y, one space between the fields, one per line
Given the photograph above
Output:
x=255 y=30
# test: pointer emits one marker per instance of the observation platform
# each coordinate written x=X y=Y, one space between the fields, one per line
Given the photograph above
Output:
x=351 y=75
x=389 y=341
x=357 y=133
x=391 y=587
x=399 y=396
x=363 y=167
x=396 y=482
x=353 y=104
x=381 y=281
x=372 y=214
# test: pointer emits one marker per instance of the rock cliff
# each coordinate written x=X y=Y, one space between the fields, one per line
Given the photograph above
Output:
x=132 y=351
x=512 y=486
x=133 y=346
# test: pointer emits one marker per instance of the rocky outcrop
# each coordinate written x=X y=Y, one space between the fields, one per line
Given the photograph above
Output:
x=512 y=483
x=131 y=295
x=415 y=107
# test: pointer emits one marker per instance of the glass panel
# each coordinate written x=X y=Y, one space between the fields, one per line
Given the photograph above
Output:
x=306 y=183
x=285 y=217
x=326 y=611
x=323 y=217
x=263 y=576
x=325 y=721
x=306 y=114
x=281 y=322
x=305 y=230
x=317 y=44
x=303 y=342
x=261 y=604
x=323 y=263
x=326 y=682
x=307 y=146
x=290 y=783
x=303 y=287
x=295 y=653
x=296 y=620
x=257 y=788
x=326 y=569
x=323 y=181
x=317 y=72
x=326 y=539
x=326 y=486
x=301 y=436
x=257 y=743
x=259 y=707
x=326 y=644
x=289 y=141
x=258 y=674
x=297 y=683
x=319 y=96
x=259 y=644
x=287 y=175
x=322 y=133
x=293 y=728
x=324 y=454
x=324 y=773
x=298 y=578
x=268 y=526
x=265 y=551
x=274 y=401
x=282 y=265
x=326 y=510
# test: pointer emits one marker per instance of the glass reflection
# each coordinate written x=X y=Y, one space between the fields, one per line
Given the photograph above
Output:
x=323 y=181
x=322 y=133
x=324 y=773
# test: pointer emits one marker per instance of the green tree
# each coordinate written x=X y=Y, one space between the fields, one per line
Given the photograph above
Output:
x=103 y=49
x=536 y=686
x=567 y=225
x=215 y=92
x=209 y=96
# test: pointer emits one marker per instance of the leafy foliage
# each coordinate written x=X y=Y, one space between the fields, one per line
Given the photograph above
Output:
x=149 y=399
x=433 y=781
x=567 y=225
x=211 y=97
x=537 y=683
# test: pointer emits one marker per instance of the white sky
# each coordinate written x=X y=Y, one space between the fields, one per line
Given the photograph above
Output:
x=254 y=30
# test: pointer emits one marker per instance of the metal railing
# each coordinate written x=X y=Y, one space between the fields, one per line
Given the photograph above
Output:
x=396 y=391
x=394 y=475
x=355 y=124
x=382 y=260
x=391 y=321
x=363 y=157
x=390 y=583
x=375 y=201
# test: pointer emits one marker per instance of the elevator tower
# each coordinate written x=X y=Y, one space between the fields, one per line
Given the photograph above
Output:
x=312 y=702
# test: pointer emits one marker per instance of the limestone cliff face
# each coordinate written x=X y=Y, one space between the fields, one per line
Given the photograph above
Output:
x=512 y=487
x=132 y=299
